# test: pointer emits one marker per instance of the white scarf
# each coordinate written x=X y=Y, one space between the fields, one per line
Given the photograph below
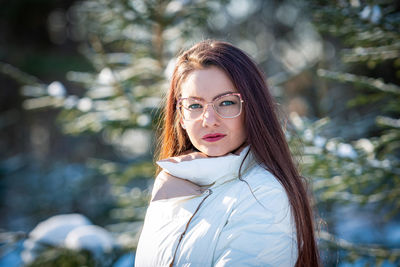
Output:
x=209 y=171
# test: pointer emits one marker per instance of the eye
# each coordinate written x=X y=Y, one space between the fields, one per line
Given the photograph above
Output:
x=194 y=106
x=227 y=103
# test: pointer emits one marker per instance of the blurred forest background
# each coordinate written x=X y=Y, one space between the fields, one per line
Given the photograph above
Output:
x=81 y=83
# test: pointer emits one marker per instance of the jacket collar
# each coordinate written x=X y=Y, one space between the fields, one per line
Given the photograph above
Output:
x=209 y=171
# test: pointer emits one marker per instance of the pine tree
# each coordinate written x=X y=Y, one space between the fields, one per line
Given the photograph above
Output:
x=358 y=172
x=130 y=45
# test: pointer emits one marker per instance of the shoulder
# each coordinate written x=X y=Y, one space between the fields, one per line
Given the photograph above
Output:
x=262 y=192
x=260 y=229
x=259 y=177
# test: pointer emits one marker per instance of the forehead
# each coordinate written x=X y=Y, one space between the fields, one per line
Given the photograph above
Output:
x=206 y=83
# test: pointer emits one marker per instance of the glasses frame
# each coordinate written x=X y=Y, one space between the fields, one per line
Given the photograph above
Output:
x=179 y=105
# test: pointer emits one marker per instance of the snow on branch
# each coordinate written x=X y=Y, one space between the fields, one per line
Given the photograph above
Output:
x=377 y=84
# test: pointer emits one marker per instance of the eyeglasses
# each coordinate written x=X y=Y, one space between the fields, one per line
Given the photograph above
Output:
x=226 y=106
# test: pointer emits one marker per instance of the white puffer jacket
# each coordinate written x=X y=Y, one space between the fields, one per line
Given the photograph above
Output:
x=226 y=224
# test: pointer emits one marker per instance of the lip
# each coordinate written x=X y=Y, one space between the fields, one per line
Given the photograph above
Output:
x=213 y=137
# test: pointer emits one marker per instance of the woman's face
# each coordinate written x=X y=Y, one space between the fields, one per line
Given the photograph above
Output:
x=210 y=133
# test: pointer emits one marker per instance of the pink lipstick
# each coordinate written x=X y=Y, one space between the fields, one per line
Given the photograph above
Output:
x=213 y=137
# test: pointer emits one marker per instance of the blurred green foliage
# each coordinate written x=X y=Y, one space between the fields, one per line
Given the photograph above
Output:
x=351 y=157
x=361 y=173
x=64 y=258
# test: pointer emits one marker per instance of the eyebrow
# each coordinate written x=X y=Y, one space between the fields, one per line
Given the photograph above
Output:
x=215 y=97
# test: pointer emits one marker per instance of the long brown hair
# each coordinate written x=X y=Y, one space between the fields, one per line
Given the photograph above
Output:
x=264 y=132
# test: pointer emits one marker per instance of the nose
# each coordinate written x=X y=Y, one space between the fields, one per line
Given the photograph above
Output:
x=210 y=117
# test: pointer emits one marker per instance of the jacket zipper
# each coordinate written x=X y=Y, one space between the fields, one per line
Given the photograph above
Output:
x=209 y=192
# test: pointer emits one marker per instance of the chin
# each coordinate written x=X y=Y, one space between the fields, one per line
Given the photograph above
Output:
x=214 y=152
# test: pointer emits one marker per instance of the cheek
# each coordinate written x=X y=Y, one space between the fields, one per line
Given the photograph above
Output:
x=240 y=127
x=192 y=131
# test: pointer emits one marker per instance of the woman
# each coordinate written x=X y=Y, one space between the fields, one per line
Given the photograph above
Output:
x=228 y=193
